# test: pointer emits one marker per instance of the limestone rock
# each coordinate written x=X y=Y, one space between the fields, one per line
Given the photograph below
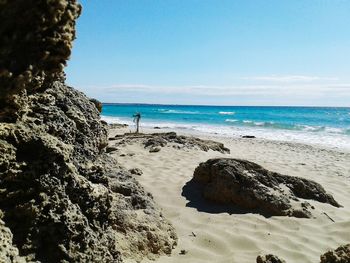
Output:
x=136 y=171
x=269 y=259
x=248 y=185
x=155 y=149
x=62 y=198
x=163 y=139
x=97 y=104
x=339 y=255
x=36 y=41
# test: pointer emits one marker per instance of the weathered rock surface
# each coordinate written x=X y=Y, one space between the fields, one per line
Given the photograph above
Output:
x=62 y=198
x=269 y=259
x=36 y=41
x=248 y=185
x=117 y=125
x=155 y=140
x=339 y=255
x=136 y=171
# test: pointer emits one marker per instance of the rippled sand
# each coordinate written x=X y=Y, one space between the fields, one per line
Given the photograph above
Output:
x=210 y=235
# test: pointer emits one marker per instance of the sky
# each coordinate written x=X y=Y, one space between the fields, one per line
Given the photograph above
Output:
x=214 y=52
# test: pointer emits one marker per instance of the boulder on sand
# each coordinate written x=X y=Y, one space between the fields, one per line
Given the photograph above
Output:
x=249 y=186
x=339 y=255
x=269 y=259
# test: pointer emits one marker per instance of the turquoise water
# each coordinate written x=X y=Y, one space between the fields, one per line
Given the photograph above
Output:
x=321 y=125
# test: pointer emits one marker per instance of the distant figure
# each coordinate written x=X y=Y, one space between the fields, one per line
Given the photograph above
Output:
x=137 y=117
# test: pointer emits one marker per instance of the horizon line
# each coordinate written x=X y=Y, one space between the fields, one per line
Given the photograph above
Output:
x=211 y=105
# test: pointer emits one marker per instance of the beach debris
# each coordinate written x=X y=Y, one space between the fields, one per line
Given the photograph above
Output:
x=136 y=171
x=154 y=149
x=183 y=252
x=328 y=217
x=248 y=136
x=269 y=259
x=339 y=255
x=163 y=139
x=249 y=186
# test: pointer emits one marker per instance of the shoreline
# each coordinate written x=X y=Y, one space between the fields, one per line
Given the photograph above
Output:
x=225 y=237
x=218 y=136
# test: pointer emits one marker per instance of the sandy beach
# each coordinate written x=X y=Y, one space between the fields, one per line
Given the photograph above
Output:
x=210 y=234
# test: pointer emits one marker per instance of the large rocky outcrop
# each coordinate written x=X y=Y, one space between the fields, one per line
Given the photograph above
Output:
x=62 y=199
x=250 y=186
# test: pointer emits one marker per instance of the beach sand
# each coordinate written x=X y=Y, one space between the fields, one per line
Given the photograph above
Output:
x=210 y=235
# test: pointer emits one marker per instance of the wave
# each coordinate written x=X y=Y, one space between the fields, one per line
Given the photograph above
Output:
x=295 y=127
x=115 y=120
x=265 y=125
x=178 y=111
x=231 y=120
x=226 y=112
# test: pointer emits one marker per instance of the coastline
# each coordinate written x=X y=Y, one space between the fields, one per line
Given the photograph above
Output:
x=224 y=237
x=150 y=128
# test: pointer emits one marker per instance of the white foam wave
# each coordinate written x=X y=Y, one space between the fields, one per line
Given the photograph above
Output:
x=178 y=111
x=334 y=130
x=113 y=120
x=261 y=123
x=231 y=120
x=226 y=112
x=324 y=136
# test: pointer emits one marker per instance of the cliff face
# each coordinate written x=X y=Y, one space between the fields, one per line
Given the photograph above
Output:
x=61 y=197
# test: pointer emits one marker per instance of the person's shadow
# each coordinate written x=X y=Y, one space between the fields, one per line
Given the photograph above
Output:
x=192 y=191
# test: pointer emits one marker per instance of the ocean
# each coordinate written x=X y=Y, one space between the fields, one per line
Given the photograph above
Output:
x=313 y=125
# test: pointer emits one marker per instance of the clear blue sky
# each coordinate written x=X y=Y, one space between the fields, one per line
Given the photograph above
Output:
x=236 y=52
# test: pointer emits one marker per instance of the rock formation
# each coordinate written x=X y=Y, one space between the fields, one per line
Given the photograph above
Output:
x=249 y=186
x=156 y=140
x=62 y=198
x=339 y=255
x=269 y=259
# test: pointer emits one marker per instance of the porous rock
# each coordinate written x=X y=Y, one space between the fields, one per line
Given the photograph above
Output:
x=155 y=149
x=269 y=259
x=248 y=185
x=163 y=139
x=36 y=41
x=62 y=198
x=136 y=171
x=339 y=255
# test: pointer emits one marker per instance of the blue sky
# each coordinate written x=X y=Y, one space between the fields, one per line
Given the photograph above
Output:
x=217 y=52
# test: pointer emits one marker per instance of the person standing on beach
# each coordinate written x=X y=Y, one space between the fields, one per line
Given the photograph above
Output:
x=137 y=117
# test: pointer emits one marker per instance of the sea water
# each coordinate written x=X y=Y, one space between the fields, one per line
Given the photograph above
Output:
x=313 y=125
